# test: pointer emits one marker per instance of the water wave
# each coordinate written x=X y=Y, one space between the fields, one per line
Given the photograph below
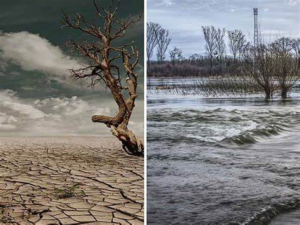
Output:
x=219 y=125
x=253 y=136
x=237 y=160
x=267 y=214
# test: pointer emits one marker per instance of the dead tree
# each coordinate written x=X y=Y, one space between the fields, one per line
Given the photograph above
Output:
x=237 y=42
x=163 y=42
x=264 y=73
x=211 y=44
x=287 y=69
x=152 y=38
x=104 y=57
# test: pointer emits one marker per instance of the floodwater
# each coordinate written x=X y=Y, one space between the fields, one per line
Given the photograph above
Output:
x=225 y=160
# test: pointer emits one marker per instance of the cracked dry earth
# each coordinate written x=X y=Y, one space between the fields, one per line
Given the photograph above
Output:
x=76 y=180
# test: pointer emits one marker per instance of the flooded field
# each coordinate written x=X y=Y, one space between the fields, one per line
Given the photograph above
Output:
x=225 y=160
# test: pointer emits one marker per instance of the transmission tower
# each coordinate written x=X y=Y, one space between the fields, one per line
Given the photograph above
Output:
x=255 y=27
x=255 y=10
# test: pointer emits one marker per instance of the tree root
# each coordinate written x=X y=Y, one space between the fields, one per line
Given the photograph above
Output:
x=131 y=144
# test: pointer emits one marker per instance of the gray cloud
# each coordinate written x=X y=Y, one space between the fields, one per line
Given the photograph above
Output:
x=185 y=18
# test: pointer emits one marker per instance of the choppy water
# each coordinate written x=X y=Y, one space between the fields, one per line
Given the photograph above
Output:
x=221 y=160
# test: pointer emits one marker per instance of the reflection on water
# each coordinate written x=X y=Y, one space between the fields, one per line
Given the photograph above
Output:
x=221 y=160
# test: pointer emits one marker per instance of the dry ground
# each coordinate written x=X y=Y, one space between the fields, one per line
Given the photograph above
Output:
x=71 y=180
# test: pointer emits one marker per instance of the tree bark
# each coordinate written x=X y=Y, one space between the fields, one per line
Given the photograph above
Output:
x=284 y=94
x=119 y=123
x=268 y=94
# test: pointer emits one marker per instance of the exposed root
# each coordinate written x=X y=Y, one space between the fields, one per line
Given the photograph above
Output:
x=131 y=144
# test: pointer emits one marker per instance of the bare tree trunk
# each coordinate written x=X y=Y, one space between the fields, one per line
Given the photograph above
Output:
x=119 y=124
x=211 y=65
x=284 y=93
x=268 y=93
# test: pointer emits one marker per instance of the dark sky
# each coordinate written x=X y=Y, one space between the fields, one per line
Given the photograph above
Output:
x=34 y=64
x=185 y=18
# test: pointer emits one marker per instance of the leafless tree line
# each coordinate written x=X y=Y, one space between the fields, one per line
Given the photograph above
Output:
x=216 y=47
x=158 y=38
x=267 y=68
x=276 y=70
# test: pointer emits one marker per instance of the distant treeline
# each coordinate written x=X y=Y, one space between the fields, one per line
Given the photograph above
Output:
x=192 y=67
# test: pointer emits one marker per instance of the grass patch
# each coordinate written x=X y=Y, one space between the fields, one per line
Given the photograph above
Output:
x=68 y=192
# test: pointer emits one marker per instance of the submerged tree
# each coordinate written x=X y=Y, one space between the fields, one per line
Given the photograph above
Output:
x=264 y=71
x=287 y=69
x=104 y=57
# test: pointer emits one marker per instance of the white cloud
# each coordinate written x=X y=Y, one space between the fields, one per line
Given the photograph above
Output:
x=24 y=109
x=54 y=116
x=167 y=2
x=6 y=95
x=293 y=2
x=34 y=53
x=6 y=122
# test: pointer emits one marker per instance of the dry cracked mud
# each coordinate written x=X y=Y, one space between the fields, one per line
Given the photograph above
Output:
x=70 y=180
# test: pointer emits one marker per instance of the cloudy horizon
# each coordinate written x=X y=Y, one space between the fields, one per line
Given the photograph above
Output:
x=184 y=19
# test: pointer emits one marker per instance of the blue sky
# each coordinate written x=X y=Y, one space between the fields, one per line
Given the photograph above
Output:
x=184 y=18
